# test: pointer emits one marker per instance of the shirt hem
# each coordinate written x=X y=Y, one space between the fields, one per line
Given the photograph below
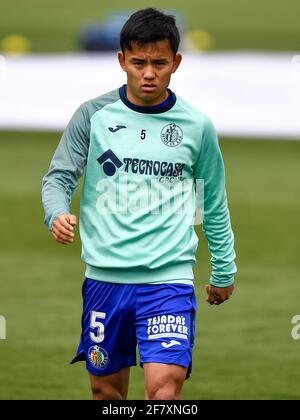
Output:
x=179 y=273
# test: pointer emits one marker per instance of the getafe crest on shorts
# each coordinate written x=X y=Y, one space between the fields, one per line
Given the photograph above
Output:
x=171 y=135
x=98 y=357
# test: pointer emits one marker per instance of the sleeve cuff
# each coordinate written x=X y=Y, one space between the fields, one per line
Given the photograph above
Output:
x=223 y=283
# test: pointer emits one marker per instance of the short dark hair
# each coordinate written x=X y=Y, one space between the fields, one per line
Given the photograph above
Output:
x=149 y=25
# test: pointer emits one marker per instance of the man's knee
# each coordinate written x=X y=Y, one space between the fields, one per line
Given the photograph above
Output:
x=165 y=387
x=111 y=387
x=166 y=392
x=105 y=392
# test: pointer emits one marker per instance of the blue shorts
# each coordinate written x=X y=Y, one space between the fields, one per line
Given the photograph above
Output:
x=160 y=319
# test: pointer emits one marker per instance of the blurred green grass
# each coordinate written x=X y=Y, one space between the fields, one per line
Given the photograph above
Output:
x=244 y=348
x=235 y=24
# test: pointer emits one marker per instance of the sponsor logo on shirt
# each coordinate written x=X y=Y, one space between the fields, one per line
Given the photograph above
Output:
x=161 y=188
x=111 y=162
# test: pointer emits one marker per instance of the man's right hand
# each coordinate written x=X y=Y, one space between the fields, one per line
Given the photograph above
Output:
x=62 y=228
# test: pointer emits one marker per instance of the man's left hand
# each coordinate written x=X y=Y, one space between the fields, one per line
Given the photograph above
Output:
x=218 y=295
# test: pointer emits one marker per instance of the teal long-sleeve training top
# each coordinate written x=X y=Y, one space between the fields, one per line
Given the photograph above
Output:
x=146 y=170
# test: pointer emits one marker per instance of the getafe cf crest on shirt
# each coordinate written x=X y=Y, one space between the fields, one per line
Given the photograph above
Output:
x=171 y=135
x=98 y=357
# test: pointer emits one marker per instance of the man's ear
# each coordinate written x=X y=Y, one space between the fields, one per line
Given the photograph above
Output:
x=121 y=58
x=177 y=61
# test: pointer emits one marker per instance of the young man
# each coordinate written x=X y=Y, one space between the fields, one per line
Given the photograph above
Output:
x=139 y=280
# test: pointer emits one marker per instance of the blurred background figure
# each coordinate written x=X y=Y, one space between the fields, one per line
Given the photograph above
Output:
x=105 y=34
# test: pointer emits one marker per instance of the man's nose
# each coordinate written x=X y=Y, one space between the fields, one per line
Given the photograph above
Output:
x=149 y=72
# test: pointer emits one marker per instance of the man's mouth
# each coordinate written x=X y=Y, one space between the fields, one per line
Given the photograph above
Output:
x=148 y=88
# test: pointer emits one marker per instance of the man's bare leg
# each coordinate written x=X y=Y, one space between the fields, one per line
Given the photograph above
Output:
x=111 y=387
x=163 y=382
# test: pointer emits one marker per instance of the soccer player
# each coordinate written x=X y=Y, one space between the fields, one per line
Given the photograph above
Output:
x=139 y=145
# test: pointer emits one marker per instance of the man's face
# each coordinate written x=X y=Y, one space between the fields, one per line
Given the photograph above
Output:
x=149 y=69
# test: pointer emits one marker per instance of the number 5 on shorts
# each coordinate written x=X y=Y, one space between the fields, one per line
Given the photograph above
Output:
x=98 y=335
